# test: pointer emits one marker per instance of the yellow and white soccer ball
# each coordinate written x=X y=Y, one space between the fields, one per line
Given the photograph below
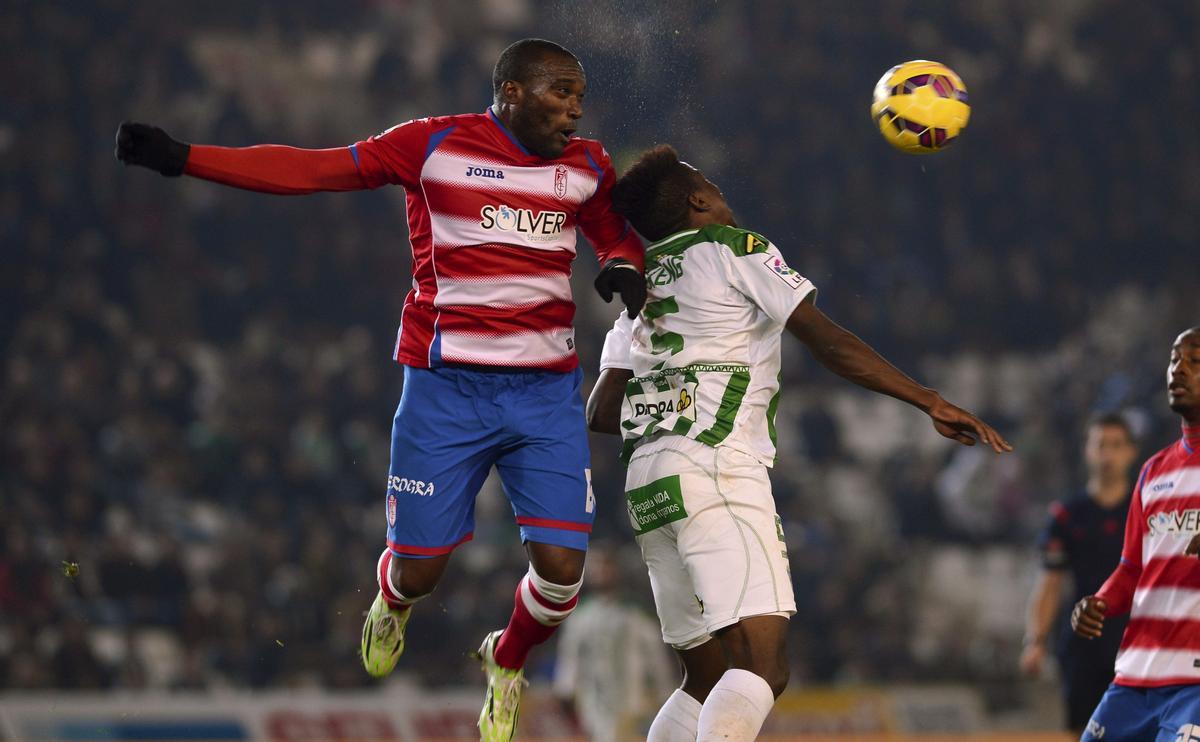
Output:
x=920 y=106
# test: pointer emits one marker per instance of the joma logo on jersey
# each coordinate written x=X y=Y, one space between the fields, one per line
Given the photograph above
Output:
x=411 y=486
x=485 y=172
x=540 y=227
x=1176 y=521
x=664 y=270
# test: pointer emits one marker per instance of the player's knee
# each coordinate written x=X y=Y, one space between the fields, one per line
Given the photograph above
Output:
x=777 y=677
x=557 y=564
x=698 y=682
x=414 y=578
x=547 y=602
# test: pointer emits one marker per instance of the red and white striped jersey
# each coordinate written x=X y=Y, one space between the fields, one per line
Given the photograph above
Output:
x=1156 y=582
x=493 y=231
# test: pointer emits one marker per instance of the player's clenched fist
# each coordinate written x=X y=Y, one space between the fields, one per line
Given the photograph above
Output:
x=150 y=146
x=1087 y=619
x=622 y=277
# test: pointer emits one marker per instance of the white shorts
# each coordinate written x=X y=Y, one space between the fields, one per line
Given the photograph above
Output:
x=706 y=523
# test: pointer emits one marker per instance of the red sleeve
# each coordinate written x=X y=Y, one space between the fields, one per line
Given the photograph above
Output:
x=1117 y=590
x=397 y=155
x=607 y=230
x=273 y=168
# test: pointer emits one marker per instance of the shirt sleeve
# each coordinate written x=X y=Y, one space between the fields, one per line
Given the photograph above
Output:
x=765 y=279
x=1117 y=591
x=608 y=231
x=1052 y=541
x=275 y=168
x=618 y=344
x=396 y=156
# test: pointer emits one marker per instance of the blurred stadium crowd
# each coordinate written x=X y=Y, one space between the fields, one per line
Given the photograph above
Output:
x=197 y=394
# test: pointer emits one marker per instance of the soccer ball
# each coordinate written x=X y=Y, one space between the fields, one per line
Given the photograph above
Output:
x=920 y=106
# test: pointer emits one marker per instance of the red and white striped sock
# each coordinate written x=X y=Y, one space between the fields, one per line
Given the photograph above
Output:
x=540 y=606
x=383 y=574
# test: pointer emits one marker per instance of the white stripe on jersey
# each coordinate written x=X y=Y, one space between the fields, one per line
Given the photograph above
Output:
x=1182 y=482
x=538 y=181
x=456 y=231
x=1143 y=663
x=513 y=291
x=1166 y=602
x=530 y=348
x=1164 y=545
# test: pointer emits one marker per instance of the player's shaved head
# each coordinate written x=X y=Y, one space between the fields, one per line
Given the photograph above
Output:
x=653 y=194
x=523 y=59
x=1183 y=375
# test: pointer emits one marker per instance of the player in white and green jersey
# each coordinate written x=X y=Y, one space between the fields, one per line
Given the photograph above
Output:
x=692 y=386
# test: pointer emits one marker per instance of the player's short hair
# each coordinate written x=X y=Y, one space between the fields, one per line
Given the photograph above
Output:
x=517 y=61
x=1115 y=420
x=653 y=194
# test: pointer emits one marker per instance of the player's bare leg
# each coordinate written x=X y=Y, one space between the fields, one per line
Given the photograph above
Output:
x=544 y=599
x=679 y=717
x=738 y=704
x=402 y=582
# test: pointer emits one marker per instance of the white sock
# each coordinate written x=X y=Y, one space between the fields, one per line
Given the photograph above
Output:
x=676 y=720
x=736 y=708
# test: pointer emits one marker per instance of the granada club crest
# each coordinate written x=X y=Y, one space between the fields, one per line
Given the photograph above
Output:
x=560 y=181
x=391 y=509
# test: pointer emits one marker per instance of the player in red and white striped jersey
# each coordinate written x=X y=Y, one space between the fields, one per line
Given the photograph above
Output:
x=1156 y=694
x=494 y=201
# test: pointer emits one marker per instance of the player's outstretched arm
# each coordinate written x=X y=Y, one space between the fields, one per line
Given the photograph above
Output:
x=843 y=353
x=267 y=168
x=604 y=403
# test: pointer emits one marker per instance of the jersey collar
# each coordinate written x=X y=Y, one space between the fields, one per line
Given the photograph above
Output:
x=1191 y=438
x=500 y=124
x=670 y=238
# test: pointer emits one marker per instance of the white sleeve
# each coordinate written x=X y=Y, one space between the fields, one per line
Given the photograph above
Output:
x=765 y=279
x=617 y=344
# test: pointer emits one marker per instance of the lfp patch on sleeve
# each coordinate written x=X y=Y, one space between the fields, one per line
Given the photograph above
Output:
x=785 y=273
x=656 y=504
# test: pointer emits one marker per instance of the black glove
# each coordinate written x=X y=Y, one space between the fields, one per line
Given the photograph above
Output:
x=150 y=146
x=622 y=277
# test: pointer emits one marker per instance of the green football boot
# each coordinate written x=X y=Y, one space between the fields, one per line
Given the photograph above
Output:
x=502 y=704
x=383 y=637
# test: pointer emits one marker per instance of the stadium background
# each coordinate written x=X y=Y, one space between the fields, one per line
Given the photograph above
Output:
x=197 y=390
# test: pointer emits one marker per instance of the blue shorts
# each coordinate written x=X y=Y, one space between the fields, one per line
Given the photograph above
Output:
x=453 y=425
x=1127 y=714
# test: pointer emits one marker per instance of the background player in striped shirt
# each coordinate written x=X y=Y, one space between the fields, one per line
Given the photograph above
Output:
x=1156 y=693
x=491 y=377
x=1081 y=541
x=692 y=384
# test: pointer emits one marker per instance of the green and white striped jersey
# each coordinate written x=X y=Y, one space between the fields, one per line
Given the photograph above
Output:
x=705 y=349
